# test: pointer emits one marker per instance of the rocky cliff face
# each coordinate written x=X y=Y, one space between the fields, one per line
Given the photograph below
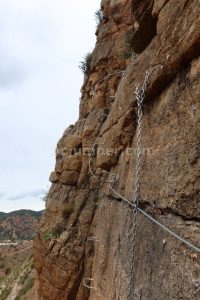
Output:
x=85 y=232
x=19 y=225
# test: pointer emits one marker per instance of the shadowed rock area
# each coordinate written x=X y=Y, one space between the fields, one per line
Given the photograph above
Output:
x=165 y=34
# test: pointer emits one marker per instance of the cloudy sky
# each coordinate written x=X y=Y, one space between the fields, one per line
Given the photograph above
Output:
x=41 y=45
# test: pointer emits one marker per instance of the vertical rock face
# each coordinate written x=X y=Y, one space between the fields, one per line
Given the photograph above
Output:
x=85 y=231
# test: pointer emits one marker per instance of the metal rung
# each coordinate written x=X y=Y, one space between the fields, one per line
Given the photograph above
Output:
x=104 y=172
x=100 y=205
x=113 y=177
x=93 y=239
x=85 y=280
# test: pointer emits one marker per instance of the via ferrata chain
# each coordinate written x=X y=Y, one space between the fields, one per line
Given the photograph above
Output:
x=140 y=95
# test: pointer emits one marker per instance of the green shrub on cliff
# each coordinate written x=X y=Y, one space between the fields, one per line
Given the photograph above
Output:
x=27 y=286
x=50 y=235
x=128 y=36
x=85 y=65
x=5 y=293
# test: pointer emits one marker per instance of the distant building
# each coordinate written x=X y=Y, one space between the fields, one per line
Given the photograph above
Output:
x=7 y=243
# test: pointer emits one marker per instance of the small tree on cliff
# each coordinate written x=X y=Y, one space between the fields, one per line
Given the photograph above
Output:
x=85 y=65
x=98 y=16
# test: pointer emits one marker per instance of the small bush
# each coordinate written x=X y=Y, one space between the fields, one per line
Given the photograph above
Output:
x=128 y=38
x=128 y=44
x=5 y=293
x=7 y=270
x=85 y=65
x=23 y=278
x=55 y=233
x=2 y=278
x=98 y=16
x=50 y=235
x=27 y=286
x=32 y=265
x=59 y=228
x=45 y=195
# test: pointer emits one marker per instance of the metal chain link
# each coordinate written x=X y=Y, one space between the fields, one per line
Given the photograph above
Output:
x=140 y=95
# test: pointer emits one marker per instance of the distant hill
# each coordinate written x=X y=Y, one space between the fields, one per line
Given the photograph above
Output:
x=20 y=224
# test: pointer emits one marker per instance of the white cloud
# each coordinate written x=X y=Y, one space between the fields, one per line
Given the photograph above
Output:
x=42 y=42
x=31 y=194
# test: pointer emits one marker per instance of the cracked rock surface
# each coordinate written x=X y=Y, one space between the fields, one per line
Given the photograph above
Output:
x=81 y=207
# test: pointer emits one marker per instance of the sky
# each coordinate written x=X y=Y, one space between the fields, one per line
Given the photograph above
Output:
x=41 y=45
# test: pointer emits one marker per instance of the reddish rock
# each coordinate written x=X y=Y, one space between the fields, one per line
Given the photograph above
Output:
x=69 y=177
x=84 y=206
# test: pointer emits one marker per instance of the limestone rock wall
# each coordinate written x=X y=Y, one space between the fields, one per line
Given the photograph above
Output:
x=165 y=35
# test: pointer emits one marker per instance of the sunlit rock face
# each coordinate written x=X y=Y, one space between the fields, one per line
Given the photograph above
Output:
x=166 y=36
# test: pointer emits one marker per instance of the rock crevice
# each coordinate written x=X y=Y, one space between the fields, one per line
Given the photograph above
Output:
x=80 y=204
